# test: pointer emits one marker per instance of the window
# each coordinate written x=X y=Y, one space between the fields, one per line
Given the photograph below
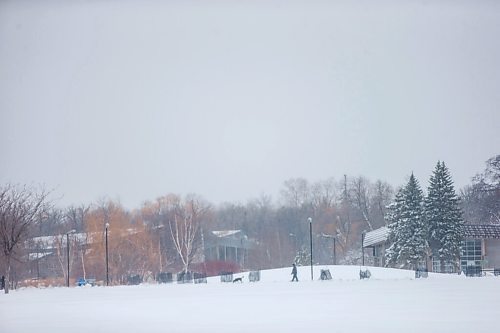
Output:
x=436 y=266
x=471 y=253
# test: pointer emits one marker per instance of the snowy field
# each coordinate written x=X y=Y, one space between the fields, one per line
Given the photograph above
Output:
x=391 y=301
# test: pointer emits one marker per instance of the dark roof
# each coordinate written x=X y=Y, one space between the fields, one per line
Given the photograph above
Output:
x=376 y=236
x=481 y=231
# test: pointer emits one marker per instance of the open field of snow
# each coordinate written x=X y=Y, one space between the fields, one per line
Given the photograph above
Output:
x=391 y=301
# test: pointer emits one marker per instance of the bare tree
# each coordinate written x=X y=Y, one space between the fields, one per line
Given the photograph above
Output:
x=296 y=192
x=185 y=228
x=20 y=209
x=323 y=194
x=60 y=224
x=480 y=201
x=60 y=243
x=76 y=218
x=381 y=197
x=361 y=198
x=156 y=216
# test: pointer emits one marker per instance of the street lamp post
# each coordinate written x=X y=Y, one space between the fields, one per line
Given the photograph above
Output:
x=107 y=266
x=67 y=254
x=311 y=245
x=334 y=251
x=362 y=247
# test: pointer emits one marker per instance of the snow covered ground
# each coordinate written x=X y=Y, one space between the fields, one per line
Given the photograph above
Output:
x=391 y=301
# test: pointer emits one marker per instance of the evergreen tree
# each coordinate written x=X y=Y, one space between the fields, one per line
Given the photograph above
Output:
x=393 y=218
x=407 y=230
x=443 y=217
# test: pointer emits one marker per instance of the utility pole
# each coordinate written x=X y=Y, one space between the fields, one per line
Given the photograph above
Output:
x=107 y=262
x=362 y=247
x=311 y=244
x=67 y=255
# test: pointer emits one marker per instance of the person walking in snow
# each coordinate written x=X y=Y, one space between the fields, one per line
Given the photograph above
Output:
x=294 y=273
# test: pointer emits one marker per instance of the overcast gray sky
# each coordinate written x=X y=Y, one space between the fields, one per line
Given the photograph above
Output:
x=227 y=99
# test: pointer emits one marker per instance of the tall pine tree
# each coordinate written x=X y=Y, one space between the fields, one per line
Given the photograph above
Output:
x=393 y=217
x=407 y=230
x=443 y=217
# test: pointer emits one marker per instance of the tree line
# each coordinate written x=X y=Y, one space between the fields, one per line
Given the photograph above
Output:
x=166 y=234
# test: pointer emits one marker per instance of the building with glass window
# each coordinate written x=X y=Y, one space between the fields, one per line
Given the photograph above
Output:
x=227 y=246
x=480 y=248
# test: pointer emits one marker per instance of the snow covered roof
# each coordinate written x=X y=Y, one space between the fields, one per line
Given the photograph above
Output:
x=481 y=231
x=229 y=238
x=376 y=236
x=52 y=242
x=225 y=233
x=38 y=255
x=381 y=235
